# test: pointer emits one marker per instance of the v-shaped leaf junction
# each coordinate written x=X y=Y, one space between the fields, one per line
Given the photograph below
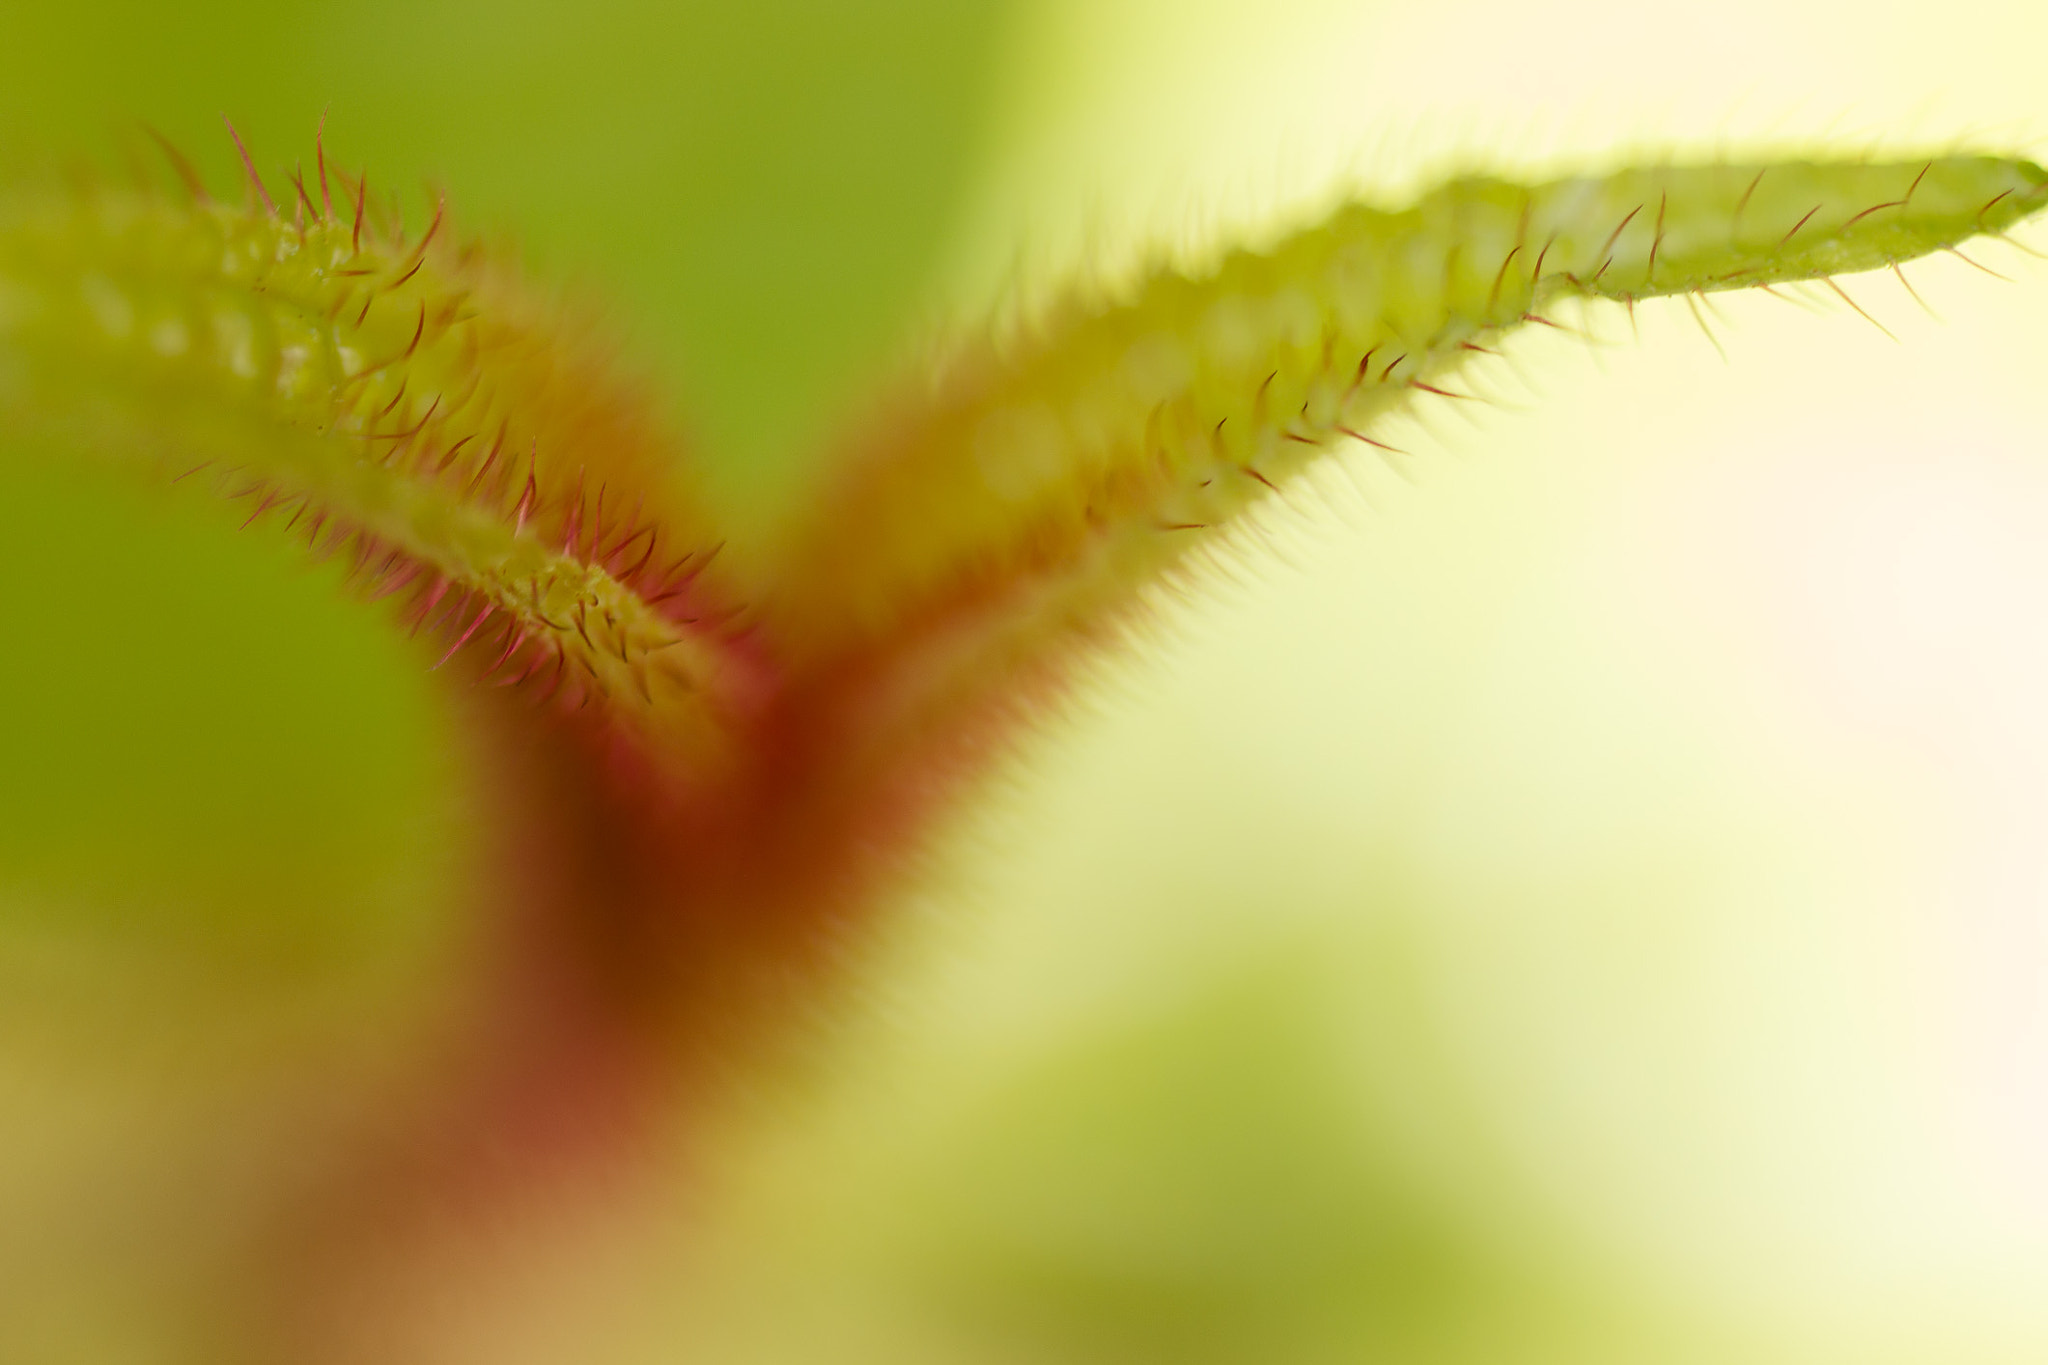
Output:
x=412 y=403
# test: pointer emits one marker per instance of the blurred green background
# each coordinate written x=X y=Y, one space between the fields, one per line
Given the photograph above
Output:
x=1580 y=902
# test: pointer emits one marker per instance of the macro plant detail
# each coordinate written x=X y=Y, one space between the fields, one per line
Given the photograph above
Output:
x=722 y=760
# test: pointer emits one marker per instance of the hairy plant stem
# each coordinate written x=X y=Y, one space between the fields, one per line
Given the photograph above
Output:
x=703 y=776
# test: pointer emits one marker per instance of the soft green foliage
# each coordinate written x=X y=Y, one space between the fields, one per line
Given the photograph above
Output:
x=607 y=144
x=1023 y=495
x=390 y=398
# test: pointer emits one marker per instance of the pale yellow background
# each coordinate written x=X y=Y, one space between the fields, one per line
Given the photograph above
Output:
x=1643 y=809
